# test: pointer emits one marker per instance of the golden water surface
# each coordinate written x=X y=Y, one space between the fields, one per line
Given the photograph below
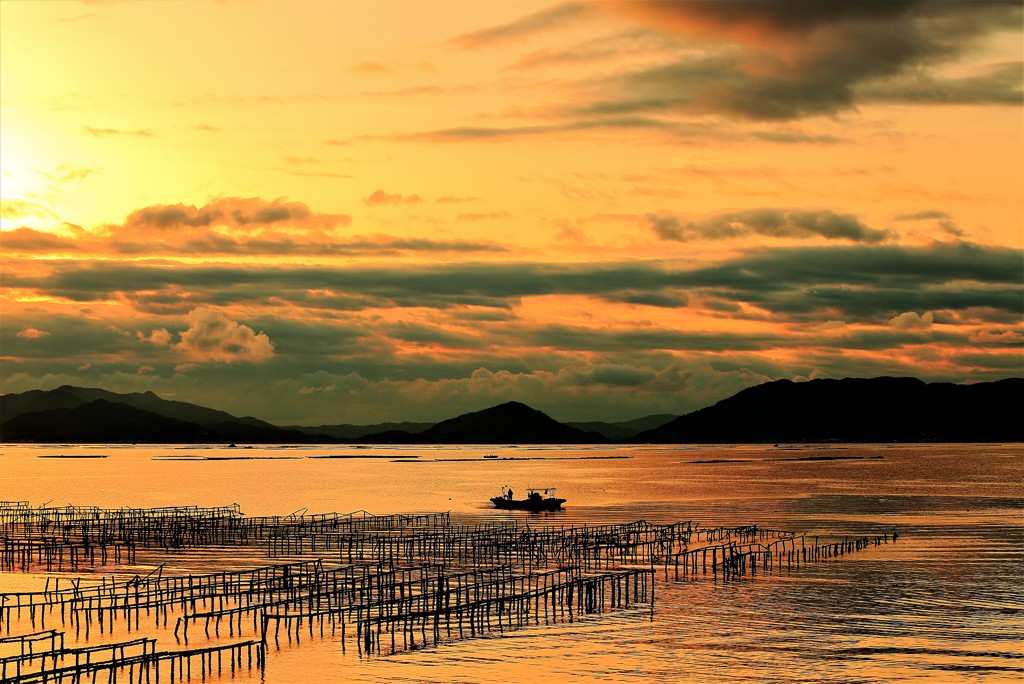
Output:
x=943 y=603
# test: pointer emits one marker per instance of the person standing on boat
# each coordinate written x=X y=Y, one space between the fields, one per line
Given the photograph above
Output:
x=509 y=494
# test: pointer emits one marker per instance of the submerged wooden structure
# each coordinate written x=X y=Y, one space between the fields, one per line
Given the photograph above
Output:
x=383 y=583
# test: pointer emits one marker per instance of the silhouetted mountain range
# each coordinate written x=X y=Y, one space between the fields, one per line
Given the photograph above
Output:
x=855 y=410
x=66 y=396
x=848 y=410
x=81 y=414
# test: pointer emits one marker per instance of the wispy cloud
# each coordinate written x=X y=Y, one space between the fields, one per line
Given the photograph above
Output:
x=924 y=215
x=381 y=198
x=67 y=173
x=102 y=132
x=489 y=216
x=369 y=68
x=580 y=123
x=999 y=84
x=520 y=28
x=18 y=208
x=623 y=44
x=495 y=133
x=455 y=199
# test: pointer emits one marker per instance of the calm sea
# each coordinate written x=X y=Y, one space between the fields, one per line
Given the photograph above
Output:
x=944 y=603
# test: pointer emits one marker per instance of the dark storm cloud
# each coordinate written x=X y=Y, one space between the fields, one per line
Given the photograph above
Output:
x=868 y=266
x=793 y=59
x=488 y=285
x=787 y=16
x=861 y=282
x=767 y=222
x=872 y=283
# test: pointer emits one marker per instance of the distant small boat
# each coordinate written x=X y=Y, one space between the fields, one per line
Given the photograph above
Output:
x=539 y=499
x=490 y=455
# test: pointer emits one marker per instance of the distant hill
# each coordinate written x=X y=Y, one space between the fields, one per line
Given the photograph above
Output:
x=347 y=431
x=100 y=421
x=624 y=431
x=66 y=396
x=855 y=410
x=509 y=423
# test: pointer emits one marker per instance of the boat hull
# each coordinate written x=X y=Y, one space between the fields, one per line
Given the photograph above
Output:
x=534 y=505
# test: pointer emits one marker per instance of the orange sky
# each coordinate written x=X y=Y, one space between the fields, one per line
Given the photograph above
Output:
x=326 y=212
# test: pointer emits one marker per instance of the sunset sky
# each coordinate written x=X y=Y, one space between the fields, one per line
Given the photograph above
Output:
x=351 y=212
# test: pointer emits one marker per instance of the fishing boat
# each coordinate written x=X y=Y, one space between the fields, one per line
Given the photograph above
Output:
x=538 y=499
